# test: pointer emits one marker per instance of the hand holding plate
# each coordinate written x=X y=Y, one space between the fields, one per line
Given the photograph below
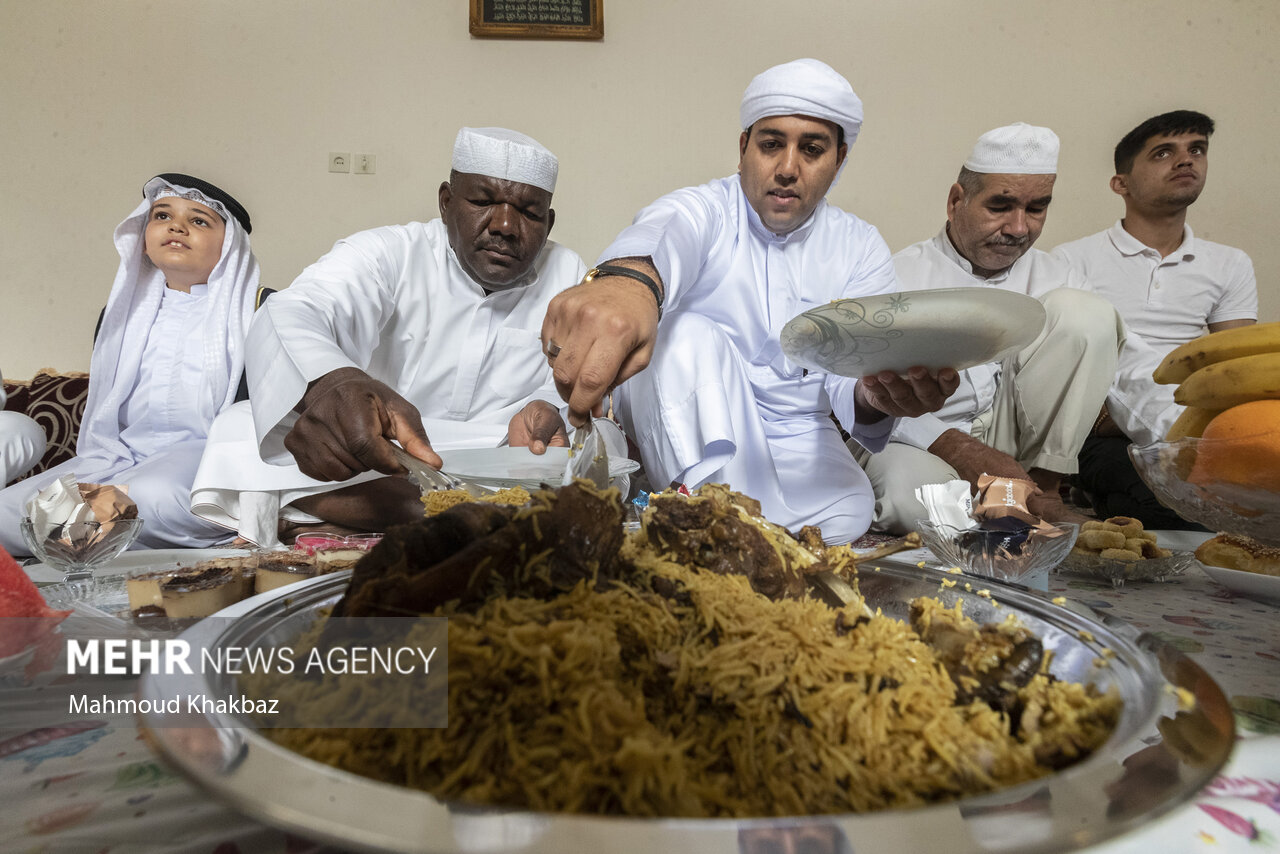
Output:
x=947 y=327
x=920 y=391
x=537 y=427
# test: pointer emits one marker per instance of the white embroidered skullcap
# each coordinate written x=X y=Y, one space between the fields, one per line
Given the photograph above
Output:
x=505 y=154
x=1016 y=149
x=804 y=87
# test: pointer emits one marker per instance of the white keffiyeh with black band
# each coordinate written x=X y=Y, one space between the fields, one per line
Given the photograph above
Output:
x=132 y=308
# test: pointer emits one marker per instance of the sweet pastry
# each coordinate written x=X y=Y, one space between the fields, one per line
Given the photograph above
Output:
x=1243 y=553
x=205 y=588
x=144 y=592
x=336 y=560
x=1118 y=538
x=276 y=569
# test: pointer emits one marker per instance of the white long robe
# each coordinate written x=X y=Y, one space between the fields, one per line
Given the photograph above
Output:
x=165 y=363
x=720 y=402
x=22 y=442
x=394 y=303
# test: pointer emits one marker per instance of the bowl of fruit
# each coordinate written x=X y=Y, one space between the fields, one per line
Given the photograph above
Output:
x=1220 y=462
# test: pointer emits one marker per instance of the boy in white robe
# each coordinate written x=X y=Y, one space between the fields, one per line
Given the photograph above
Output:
x=168 y=358
x=731 y=262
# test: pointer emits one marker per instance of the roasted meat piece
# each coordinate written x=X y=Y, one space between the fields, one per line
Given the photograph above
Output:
x=810 y=537
x=722 y=531
x=988 y=663
x=472 y=551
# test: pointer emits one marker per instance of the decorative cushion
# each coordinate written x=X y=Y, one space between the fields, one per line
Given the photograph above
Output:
x=56 y=402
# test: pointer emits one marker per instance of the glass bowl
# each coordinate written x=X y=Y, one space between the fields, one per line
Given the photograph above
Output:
x=81 y=547
x=990 y=554
x=1120 y=571
x=1225 y=507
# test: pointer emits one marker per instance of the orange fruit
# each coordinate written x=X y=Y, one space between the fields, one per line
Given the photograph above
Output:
x=1241 y=445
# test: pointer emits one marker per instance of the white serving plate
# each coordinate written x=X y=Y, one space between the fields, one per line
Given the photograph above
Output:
x=943 y=328
x=138 y=559
x=1079 y=806
x=1252 y=584
x=510 y=467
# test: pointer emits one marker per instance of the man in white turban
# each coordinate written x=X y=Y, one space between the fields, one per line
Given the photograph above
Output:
x=424 y=333
x=725 y=265
x=1027 y=416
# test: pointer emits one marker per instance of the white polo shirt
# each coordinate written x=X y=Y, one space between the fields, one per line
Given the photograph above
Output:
x=1165 y=302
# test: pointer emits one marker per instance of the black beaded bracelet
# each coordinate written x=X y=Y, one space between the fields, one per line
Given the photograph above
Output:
x=614 y=270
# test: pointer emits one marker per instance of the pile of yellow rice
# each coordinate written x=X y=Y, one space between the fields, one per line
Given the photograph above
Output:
x=713 y=702
x=439 y=500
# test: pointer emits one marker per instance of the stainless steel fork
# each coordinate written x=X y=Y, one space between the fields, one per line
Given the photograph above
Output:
x=430 y=480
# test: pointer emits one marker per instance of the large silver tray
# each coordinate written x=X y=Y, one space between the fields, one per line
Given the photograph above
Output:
x=1157 y=758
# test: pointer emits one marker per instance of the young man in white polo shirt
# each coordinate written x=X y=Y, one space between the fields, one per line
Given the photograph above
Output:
x=1169 y=287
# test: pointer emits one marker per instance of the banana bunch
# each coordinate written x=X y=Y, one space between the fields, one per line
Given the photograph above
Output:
x=1221 y=370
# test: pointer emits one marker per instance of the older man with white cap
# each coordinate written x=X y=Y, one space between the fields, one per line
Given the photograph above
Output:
x=726 y=265
x=1027 y=416
x=425 y=333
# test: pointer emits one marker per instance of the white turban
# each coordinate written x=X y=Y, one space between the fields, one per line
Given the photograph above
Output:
x=1016 y=149
x=804 y=87
x=505 y=154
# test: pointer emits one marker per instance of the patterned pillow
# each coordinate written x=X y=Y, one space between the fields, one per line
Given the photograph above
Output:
x=56 y=402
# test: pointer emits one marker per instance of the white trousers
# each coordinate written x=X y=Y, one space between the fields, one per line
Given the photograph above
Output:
x=1049 y=395
x=22 y=444
x=160 y=485
x=701 y=414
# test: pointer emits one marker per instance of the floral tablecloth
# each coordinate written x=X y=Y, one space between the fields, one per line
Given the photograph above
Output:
x=1237 y=641
x=93 y=786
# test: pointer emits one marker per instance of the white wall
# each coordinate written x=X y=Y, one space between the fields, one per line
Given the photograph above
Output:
x=96 y=96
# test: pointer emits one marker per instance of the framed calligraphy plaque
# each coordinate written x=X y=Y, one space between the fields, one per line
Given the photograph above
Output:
x=538 y=19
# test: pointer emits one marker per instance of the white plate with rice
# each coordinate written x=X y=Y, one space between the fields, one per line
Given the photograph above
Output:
x=1164 y=694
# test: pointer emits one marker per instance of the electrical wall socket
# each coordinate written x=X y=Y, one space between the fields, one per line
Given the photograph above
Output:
x=339 y=161
x=364 y=164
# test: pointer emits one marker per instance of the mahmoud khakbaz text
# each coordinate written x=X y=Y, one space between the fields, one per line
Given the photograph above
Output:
x=121 y=657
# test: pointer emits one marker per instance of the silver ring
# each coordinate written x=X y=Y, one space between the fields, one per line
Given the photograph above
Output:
x=553 y=349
